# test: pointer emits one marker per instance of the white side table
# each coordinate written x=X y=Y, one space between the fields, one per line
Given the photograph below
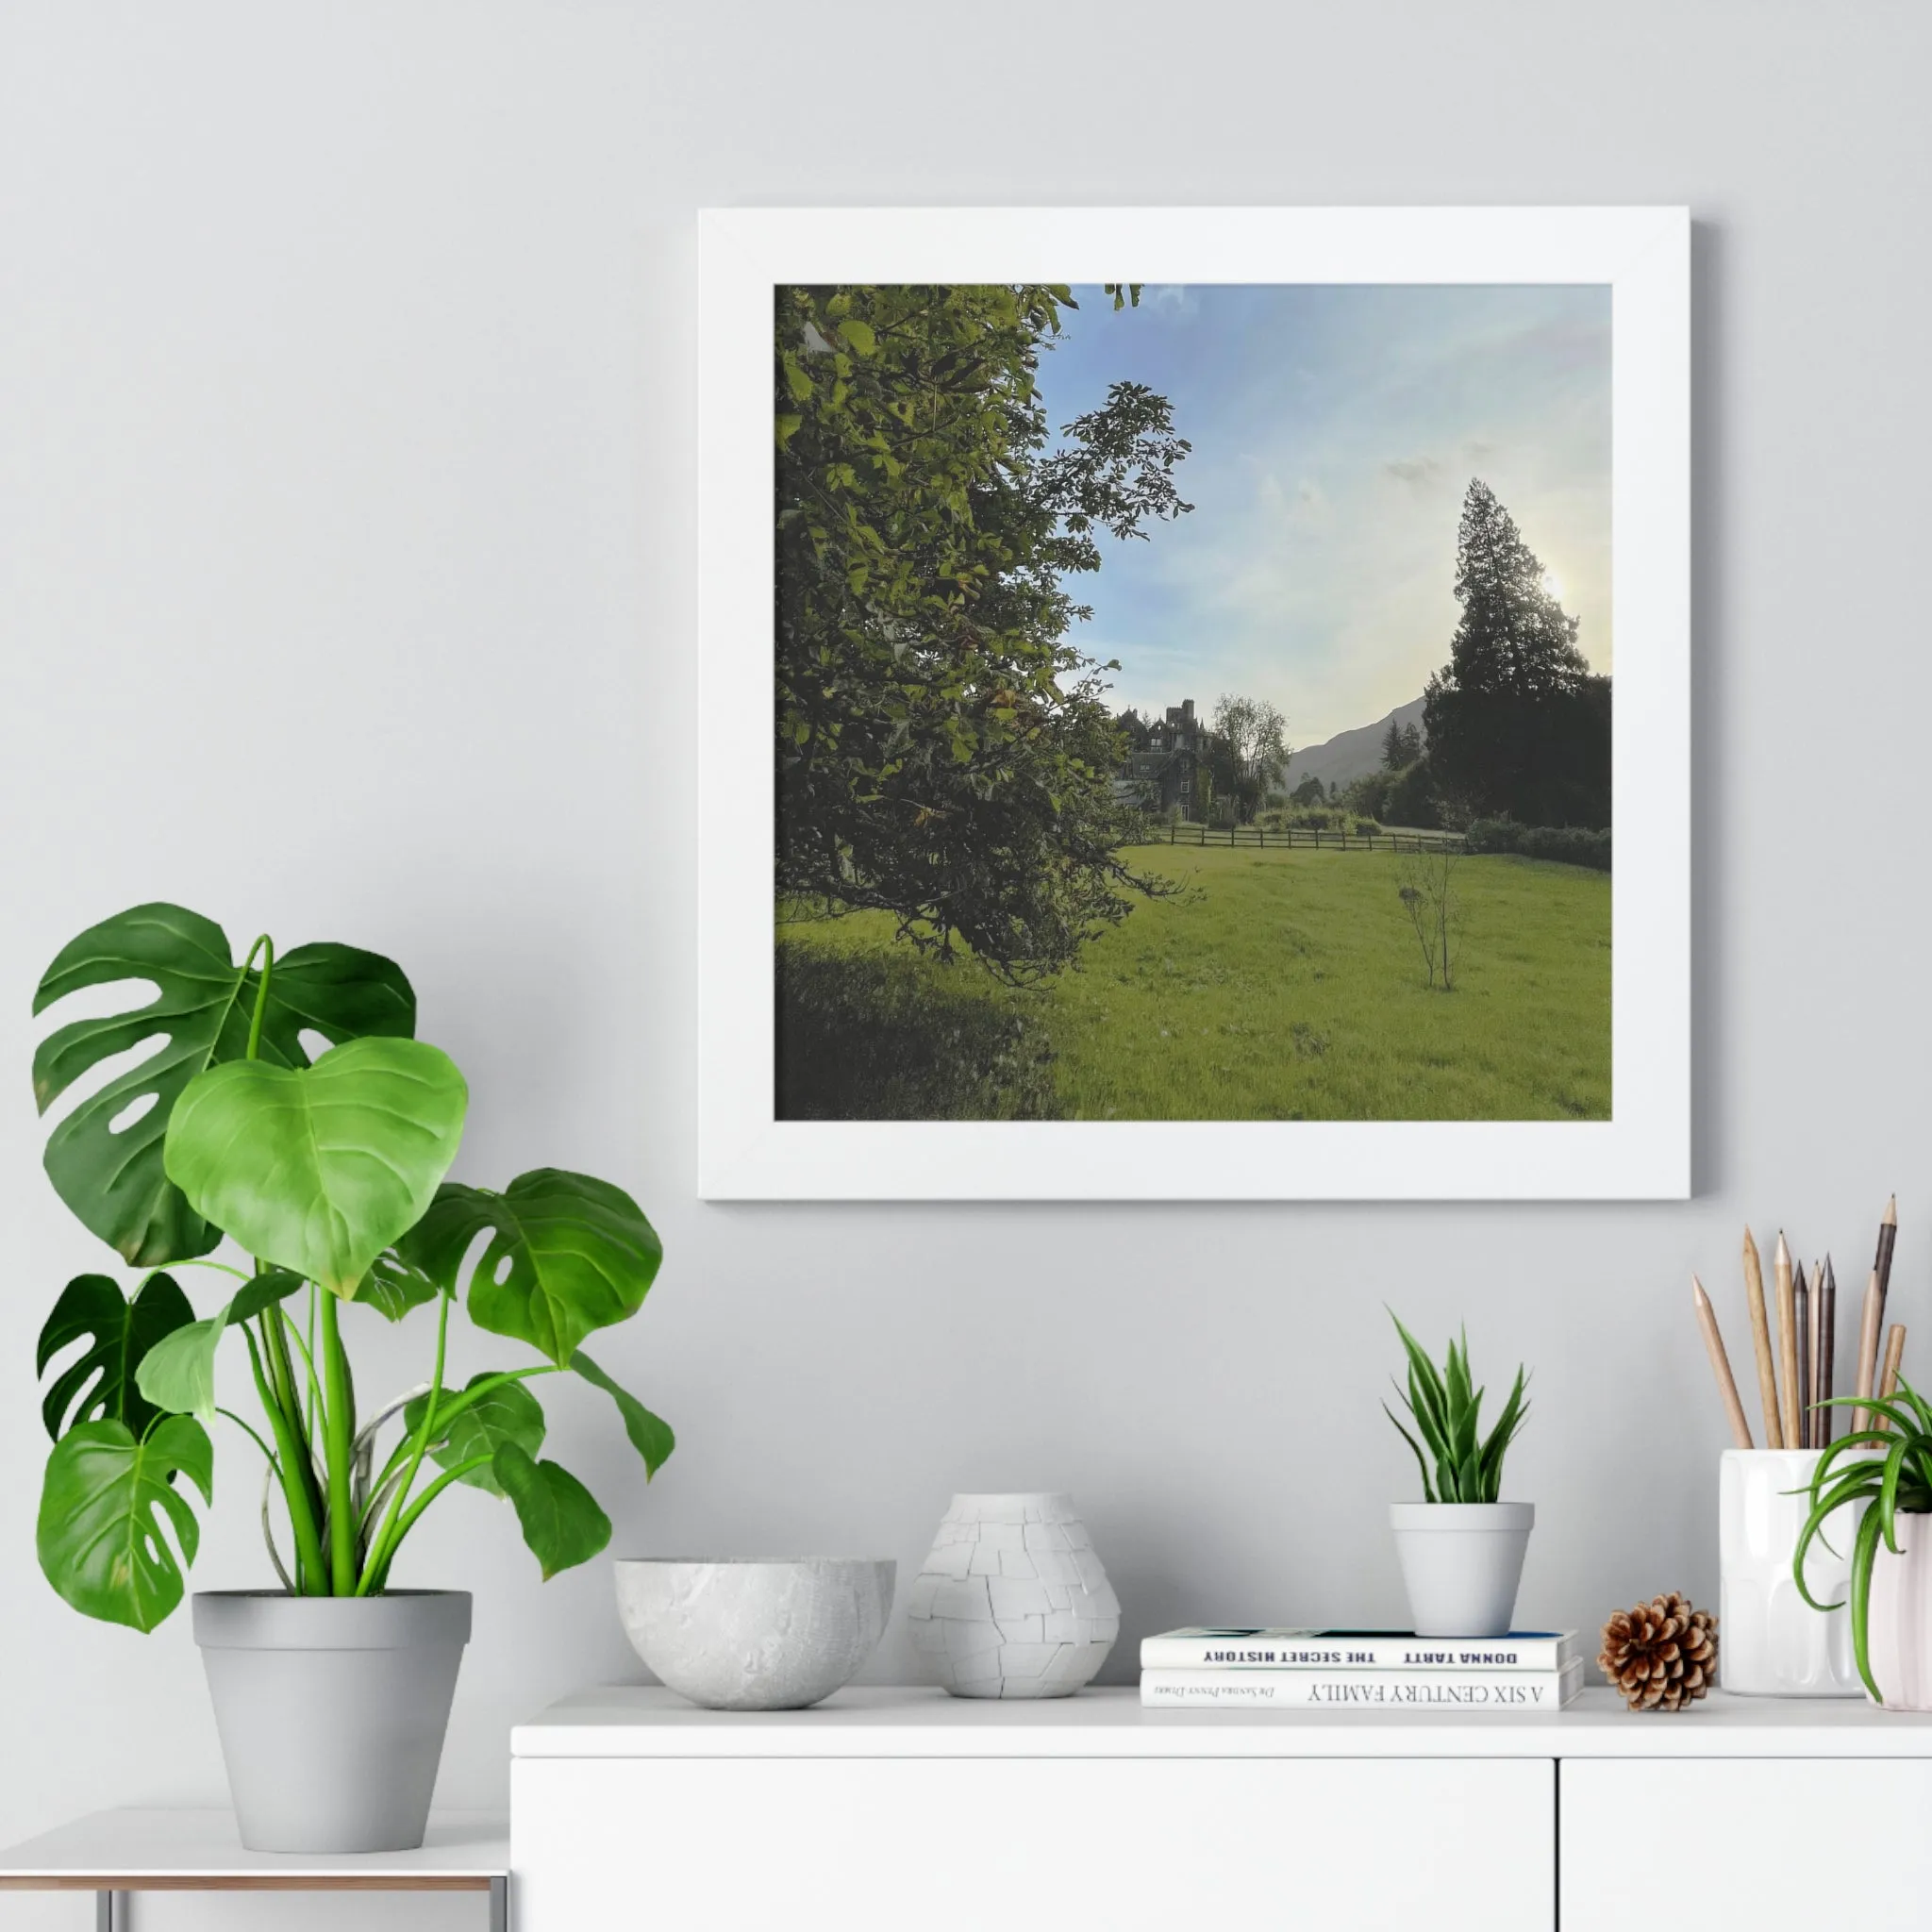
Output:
x=113 y=1853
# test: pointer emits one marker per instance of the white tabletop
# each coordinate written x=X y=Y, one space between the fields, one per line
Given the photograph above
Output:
x=640 y=1720
x=151 y=1850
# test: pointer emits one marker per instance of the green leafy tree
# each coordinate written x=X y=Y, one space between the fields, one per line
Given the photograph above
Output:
x=1517 y=723
x=943 y=753
x=1252 y=745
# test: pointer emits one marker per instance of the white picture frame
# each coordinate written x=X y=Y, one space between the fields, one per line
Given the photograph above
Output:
x=1642 y=1152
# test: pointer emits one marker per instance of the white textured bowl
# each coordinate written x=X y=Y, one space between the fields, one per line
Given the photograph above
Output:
x=753 y=1635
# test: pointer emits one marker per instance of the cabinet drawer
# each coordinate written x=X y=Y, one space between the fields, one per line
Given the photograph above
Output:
x=964 y=1845
x=1766 y=1841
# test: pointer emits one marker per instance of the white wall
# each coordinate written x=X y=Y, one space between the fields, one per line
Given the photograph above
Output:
x=346 y=589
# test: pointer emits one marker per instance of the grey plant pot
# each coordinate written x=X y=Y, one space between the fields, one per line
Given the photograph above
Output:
x=1462 y=1564
x=331 y=1711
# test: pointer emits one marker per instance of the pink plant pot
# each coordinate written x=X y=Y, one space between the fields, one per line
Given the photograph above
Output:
x=1899 y=1620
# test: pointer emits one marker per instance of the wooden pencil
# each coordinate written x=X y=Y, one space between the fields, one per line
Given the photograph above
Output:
x=1720 y=1365
x=1787 y=1343
x=1888 y=1382
x=1812 y=1431
x=1801 y=1322
x=1881 y=1261
x=1868 y=1352
x=1760 y=1340
x=1827 y=1353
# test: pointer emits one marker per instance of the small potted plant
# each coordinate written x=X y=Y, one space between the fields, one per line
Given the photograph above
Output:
x=1461 y=1547
x=331 y=1693
x=1882 y=1472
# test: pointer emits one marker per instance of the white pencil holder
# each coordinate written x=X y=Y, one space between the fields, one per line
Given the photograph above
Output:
x=1771 y=1641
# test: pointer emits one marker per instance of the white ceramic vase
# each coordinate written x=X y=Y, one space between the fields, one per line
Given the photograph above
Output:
x=1462 y=1563
x=1898 y=1622
x=1772 y=1642
x=1012 y=1601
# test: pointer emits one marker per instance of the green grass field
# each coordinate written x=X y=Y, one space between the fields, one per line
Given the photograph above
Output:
x=1275 y=986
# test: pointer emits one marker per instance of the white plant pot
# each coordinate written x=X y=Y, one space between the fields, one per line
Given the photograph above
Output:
x=1462 y=1564
x=1012 y=1601
x=1898 y=1622
x=1773 y=1644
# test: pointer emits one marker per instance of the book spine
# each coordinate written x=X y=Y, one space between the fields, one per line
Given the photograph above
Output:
x=1545 y=1653
x=1235 y=1689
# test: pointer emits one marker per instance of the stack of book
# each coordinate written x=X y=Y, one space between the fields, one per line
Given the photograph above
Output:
x=1359 y=1670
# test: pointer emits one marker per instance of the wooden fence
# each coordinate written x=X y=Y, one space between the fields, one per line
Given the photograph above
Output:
x=1309 y=837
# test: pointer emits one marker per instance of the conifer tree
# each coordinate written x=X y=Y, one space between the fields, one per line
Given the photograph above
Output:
x=1517 y=725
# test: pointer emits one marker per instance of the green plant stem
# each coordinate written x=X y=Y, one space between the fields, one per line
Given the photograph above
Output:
x=310 y=1570
x=314 y=1390
x=281 y=1372
x=312 y=1382
x=377 y=1563
x=416 y=1508
x=254 y=1437
x=266 y=948
x=397 y=1456
x=486 y=1385
x=338 y=1437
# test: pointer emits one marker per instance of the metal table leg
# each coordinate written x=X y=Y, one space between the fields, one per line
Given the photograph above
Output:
x=499 y=1905
x=110 y=1911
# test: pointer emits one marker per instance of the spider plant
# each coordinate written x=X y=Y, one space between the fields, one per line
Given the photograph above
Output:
x=1897 y=1483
x=1446 y=1409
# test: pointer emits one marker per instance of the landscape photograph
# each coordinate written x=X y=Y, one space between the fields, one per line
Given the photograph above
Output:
x=1192 y=702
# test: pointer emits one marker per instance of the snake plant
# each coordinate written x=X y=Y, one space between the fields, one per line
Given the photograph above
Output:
x=1446 y=1407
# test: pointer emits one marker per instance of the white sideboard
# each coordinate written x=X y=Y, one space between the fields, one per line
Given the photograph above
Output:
x=908 y=1807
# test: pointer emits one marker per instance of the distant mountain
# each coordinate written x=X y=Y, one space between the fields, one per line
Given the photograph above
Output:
x=1349 y=755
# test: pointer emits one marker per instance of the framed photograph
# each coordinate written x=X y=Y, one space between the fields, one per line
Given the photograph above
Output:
x=1162 y=737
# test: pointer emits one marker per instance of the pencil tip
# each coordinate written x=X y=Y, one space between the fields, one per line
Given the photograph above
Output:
x=1891 y=1211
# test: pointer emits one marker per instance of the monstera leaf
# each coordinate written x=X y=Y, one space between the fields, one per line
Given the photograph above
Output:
x=560 y=1520
x=120 y=1333
x=393 y=1287
x=319 y=1169
x=105 y=1506
x=650 y=1435
x=179 y=1374
x=508 y=1413
x=114 y=1181
x=566 y=1255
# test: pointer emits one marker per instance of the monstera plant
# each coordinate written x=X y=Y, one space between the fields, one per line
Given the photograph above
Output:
x=329 y=1175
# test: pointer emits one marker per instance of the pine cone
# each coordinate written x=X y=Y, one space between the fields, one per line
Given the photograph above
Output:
x=1662 y=1655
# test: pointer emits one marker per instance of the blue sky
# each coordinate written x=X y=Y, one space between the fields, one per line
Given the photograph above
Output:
x=1334 y=431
